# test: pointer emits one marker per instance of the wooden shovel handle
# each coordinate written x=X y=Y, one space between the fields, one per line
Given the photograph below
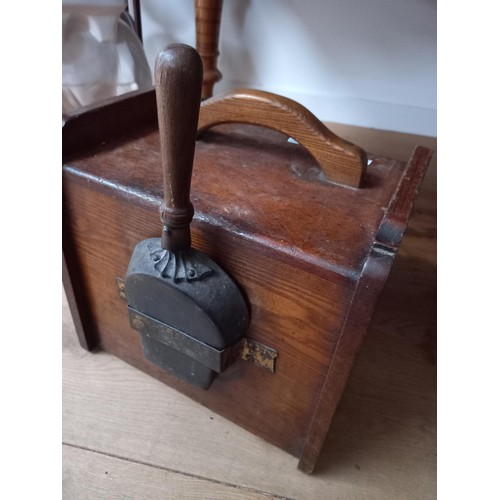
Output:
x=341 y=161
x=178 y=80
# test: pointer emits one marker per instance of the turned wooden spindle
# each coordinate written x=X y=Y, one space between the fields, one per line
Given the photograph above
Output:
x=208 y=15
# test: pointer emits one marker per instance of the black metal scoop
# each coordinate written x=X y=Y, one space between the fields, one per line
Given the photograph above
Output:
x=189 y=312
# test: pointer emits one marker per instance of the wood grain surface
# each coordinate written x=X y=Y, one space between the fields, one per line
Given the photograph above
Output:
x=116 y=478
x=382 y=441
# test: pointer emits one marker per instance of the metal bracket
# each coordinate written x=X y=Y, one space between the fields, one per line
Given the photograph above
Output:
x=258 y=354
x=120 y=283
x=210 y=357
x=246 y=349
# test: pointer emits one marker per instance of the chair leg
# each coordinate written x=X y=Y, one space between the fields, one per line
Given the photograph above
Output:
x=208 y=15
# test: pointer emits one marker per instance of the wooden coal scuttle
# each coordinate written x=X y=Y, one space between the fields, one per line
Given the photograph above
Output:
x=257 y=307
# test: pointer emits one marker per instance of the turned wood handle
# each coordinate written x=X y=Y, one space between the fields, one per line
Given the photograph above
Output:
x=342 y=162
x=208 y=15
x=178 y=80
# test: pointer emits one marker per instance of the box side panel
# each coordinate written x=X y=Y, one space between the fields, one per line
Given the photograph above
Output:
x=76 y=302
x=298 y=313
x=372 y=280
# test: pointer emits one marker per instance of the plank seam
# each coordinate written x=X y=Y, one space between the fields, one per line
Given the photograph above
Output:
x=168 y=469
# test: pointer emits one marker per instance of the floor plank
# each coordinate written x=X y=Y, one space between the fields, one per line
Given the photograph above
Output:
x=383 y=439
x=89 y=475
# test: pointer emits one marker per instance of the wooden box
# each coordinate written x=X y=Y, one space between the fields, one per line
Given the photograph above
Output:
x=312 y=256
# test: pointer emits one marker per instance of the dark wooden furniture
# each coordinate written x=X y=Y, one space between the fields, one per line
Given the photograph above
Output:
x=208 y=15
x=312 y=256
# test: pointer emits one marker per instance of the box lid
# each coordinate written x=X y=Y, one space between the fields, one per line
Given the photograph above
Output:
x=253 y=183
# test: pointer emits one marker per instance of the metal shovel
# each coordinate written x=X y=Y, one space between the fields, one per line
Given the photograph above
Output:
x=189 y=312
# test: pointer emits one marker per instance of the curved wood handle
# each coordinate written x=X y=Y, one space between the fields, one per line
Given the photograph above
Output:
x=341 y=161
x=178 y=80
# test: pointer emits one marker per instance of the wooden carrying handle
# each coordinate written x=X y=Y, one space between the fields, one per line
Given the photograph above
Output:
x=342 y=162
x=178 y=80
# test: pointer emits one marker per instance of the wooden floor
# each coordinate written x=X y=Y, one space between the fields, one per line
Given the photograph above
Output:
x=127 y=436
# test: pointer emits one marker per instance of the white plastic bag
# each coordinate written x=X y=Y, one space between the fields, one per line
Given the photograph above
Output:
x=102 y=55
